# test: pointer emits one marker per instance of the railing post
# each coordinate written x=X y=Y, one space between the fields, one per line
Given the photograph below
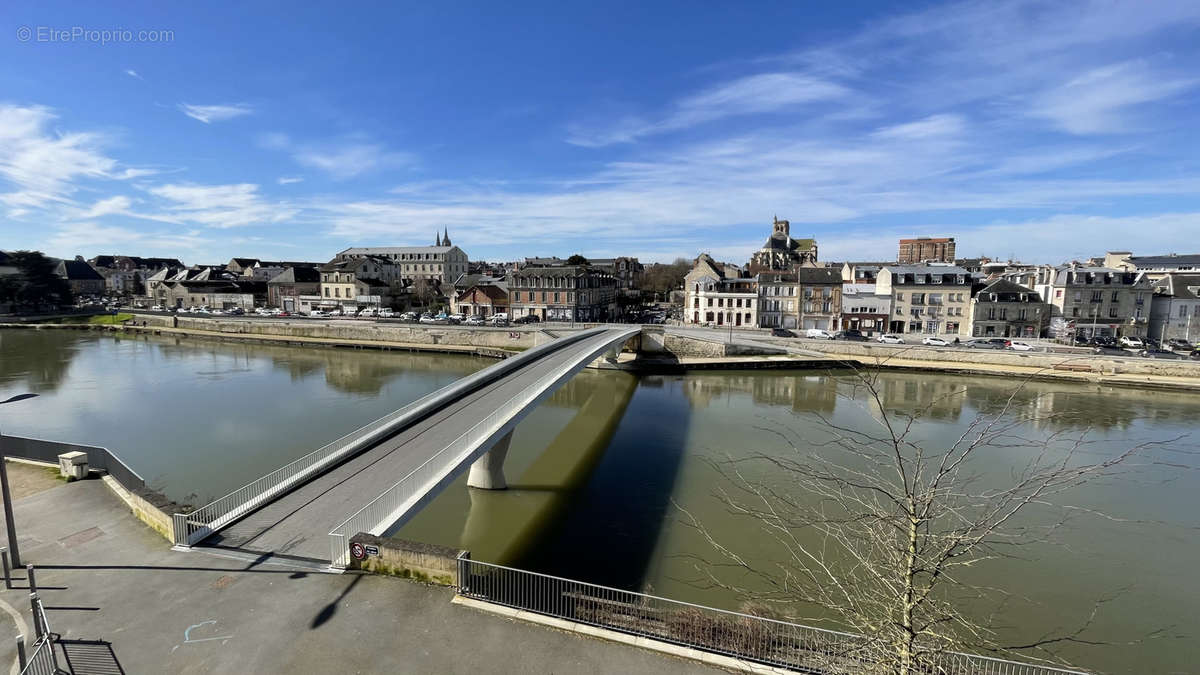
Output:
x=37 y=622
x=32 y=580
x=7 y=569
x=179 y=527
x=22 y=661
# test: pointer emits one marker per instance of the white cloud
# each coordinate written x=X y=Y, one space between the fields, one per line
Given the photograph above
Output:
x=342 y=158
x=215 y=113
x=221 y=206
x=44 y=165
x=934 y=126
x=1095 y=102
x=134 y=74
x=753 y=94
x=70 y=239
x=288 y=180
x=112 y=205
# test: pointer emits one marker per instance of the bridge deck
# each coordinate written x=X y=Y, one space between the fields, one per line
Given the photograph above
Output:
x=297 y=524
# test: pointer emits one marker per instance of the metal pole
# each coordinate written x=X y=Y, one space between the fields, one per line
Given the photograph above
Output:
x=9 y=525
x=7 y=569
x=29 y=575
x=22 y=660
x=37 y=622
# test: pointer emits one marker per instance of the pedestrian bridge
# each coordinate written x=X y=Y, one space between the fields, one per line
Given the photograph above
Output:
x=377 y=477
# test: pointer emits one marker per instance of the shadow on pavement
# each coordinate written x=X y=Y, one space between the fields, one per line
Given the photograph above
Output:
x=329 y=610
x=90 y=657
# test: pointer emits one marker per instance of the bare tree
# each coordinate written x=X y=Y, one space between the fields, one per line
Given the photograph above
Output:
x=880 y=531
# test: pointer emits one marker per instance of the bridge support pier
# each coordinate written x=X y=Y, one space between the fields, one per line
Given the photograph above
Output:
x=612 y=354
x=487 y=473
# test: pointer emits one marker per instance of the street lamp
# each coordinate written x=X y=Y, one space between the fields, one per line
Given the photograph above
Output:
x=8 y=512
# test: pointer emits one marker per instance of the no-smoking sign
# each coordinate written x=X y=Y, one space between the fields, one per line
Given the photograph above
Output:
x=357 y=550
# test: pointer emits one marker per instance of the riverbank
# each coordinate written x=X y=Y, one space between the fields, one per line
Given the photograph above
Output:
x=674 y=353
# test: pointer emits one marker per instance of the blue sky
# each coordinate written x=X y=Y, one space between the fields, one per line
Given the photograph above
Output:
x=1044 y=131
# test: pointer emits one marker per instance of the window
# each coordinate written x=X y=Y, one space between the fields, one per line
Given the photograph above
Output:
x=1116 y=296
x=900 y=296
x=1183 y=311
x=1097 y=296
x=1112 y=312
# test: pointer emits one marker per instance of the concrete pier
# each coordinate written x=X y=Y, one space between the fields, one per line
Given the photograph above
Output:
x=487 y=473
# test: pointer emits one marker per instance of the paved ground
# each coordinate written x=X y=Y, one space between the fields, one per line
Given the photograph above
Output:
x=26 y=479
x=298 y=524
x=118 y=595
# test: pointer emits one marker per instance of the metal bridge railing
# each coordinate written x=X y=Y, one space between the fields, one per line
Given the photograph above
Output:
x=405 y=493
x=190 y=528
x=43 y=660
x=740 y=636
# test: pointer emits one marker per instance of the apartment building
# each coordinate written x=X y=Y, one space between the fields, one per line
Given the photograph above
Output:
x=819 y=293
x=926 y=249
x=777 y=300
x=864 y=310
x=717 y=294
x=1091 y=300
x=566 y=293
x=930 y=299
x=1006 y=309
x=1175 y=307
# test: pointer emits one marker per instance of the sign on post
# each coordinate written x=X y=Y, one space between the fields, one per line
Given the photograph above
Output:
x=357 y=551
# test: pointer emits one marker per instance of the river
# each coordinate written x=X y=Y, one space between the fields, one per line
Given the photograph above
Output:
x=602 y=473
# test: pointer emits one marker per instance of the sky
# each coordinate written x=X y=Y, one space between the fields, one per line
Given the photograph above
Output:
x=1041 y=131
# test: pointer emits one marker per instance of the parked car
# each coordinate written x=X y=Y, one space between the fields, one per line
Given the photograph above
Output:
x=1020 y=346
x=818 y=334
x=889 y=338
x=1159 y=354
x=984 y=344
x=156 y=308
x=935 y=342
x=474 y=320
x=1180 y=345
x=1131 y=342
x=1195 y=354
x=782 y=332
x=528 y=318
x=1105 y=350
x=318 y=314
x=367 y=312
x=500 y=316
x=386 y=313
x=851 y=335
x=456 y=318
x=281 y=313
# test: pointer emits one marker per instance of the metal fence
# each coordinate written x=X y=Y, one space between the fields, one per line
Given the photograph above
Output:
x=401 y=497
x=42 y=660
x=740 y=636
x=194 y=526
x=48 y=451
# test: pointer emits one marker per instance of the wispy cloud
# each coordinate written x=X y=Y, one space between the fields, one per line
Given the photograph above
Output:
x=342 y=158
x=134 y=74
x=42 y=164
x=289 y=180
x=215 y=113
x=1094 y=101
x=753 y=94
x=221 y=206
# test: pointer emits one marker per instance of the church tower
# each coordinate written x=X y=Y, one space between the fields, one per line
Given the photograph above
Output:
x=782 y=227
x=437 y=239
x=446 y=237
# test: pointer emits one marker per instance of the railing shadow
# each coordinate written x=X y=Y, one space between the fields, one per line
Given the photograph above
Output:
x=90 y=657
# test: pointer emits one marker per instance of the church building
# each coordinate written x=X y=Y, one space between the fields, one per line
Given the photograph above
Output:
x=781 y=252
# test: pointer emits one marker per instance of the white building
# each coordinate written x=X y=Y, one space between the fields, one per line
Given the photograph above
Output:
x=1175 y=308
x=711 y=297
x=440 y=264
x=929 y=299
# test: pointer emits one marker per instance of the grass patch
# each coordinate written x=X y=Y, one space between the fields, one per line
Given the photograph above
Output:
x=97 y=319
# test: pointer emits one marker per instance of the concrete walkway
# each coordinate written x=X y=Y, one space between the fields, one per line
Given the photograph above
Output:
x=117 y=594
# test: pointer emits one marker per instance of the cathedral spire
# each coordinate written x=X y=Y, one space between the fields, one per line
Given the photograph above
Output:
x=438 y=240
x=446 y=237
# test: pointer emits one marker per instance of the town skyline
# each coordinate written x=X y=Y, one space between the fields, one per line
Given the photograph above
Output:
x=1006 y=124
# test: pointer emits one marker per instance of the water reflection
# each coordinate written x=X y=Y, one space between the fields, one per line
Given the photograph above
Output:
x=34 y=360
x=198 y=418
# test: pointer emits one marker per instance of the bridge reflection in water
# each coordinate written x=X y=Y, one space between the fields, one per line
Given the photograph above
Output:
x=502 y=525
